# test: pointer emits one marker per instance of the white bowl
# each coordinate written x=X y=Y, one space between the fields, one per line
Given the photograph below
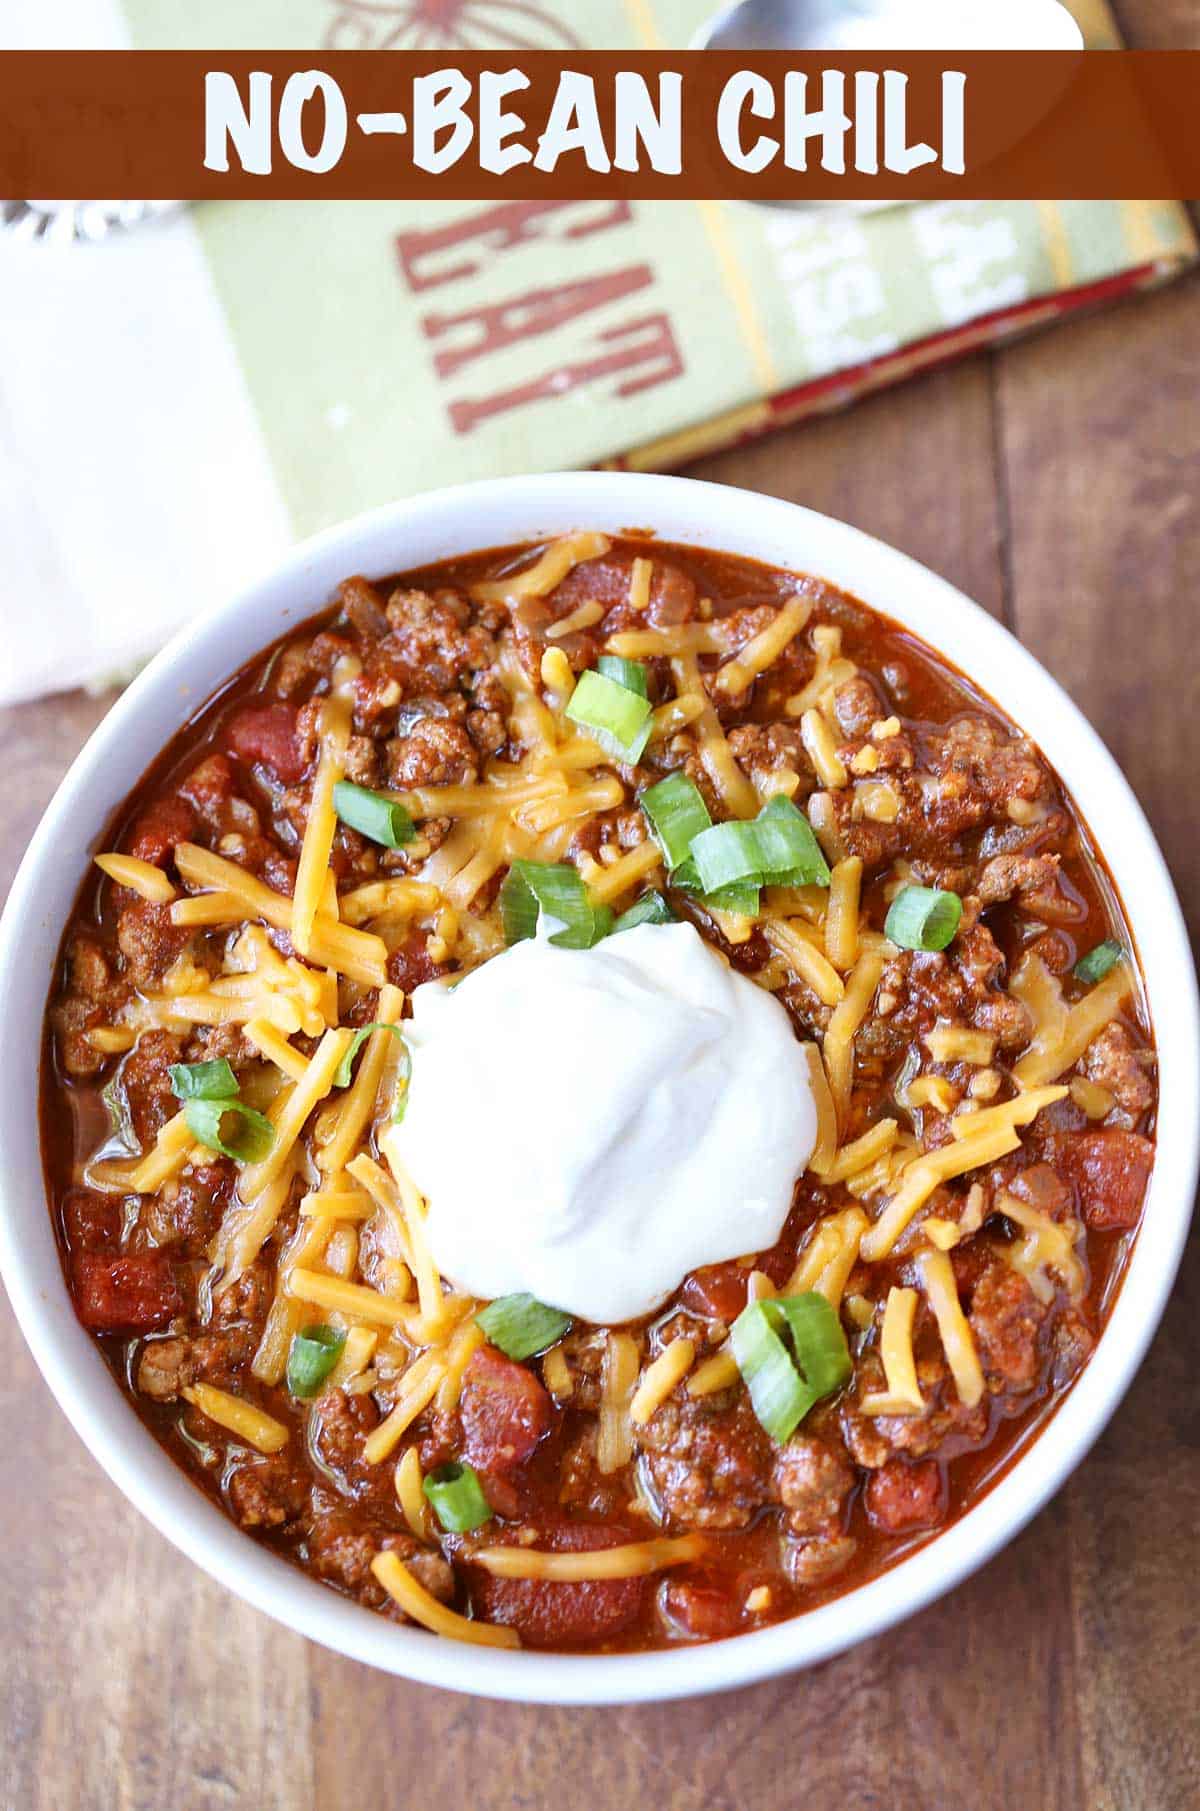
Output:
x=412 y=534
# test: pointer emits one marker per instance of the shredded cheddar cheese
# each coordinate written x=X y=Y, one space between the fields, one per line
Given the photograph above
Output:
x=618 y=1375
x=636 y=1560
x=821 y=748
x=959 y=1044
x=669 y=1368
x=141 y=877
x=862 y=1152
x=848 y=1015
x=321 y=823
x=295 y=1106
x=801 y=954
x=548 y=570
x=841 y=918
x=410 y=1495
x=340 y=946
x=1020 y=1111
x=418 y=1388
x=716 y=756
x=921 y=1177
x=739 y=674
x=585 y=616
x=357 y=1104
x=1060 y=1041
x=422 y=1607
x=896 y=1351
x=958 y=1341
x=249 y=1423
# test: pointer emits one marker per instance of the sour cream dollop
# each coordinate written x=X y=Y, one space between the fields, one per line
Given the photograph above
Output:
x=590 y=1125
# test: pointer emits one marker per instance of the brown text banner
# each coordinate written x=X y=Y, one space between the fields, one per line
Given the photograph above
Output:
x=530 y=125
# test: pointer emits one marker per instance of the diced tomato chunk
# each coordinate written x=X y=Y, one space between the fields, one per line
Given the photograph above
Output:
x=1110 y=1169
x=506 y=1412
x=265 y=735
x=901 y=1498
x=133 y=1294
x=563 y=1615
x=167 y=822
x=701 y=1608
x=716 y=1290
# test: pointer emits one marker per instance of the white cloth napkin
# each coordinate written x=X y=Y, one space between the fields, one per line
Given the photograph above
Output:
x=135 y=489
x=134 y=485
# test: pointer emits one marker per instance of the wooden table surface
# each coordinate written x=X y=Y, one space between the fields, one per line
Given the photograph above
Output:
x=1058 y=482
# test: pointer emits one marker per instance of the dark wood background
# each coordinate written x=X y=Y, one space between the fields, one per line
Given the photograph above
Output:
x=1058 y=482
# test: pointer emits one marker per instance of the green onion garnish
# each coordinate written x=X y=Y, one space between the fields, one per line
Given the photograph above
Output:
x=614 y=714
x=532 y=888
x=379 y=819
x=344 y=1070
x=227 y=1126
x=676 y=813
x=776 y=848
x=651 y=908
x=923 y=918
x=521 y=1326
x=457 y=1497
x=725 y=855
x=311 y=1357
x=1095 y=965
x=203 y=1081
x=741 y=896
x=792 y=856
x=629 y=673
x=791 y=1351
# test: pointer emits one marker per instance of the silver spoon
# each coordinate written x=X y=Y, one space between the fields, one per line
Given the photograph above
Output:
x=869 y=25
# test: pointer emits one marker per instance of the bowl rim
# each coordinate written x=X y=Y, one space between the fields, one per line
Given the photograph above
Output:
x=723 y=518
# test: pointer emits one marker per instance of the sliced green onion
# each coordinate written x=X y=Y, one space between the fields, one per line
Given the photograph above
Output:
x=247 y=1140
x=203 y=1081
x=742 y=899
x=344 y=1070
x=1095 y=965
x=777 y=847
x=532 y=888
x=726 y=854
x=457 y=1497
x=521 y=1326
x=651 y=908
x=792 y=856
x=923 y=918
x=740 y=896
x=379 y=819
x=617 y=716
x=676 y=813
x=629 y=673
x=791 y=1351
x=311 y=1357
x=818 y=1341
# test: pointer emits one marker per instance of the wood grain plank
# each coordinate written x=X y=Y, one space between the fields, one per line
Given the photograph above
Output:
x=1158 y=24
x=135 y=1682
x=38 y=742
x=1102 y=450
x=912 y=465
